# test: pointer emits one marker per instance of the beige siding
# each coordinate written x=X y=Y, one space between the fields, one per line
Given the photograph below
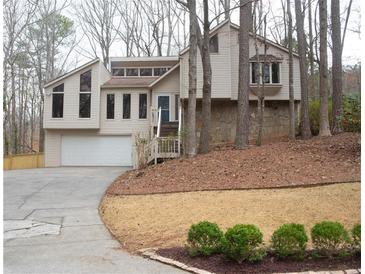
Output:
x=121 y=126
x=168 y=86
x=281 y=93
x=221 y=68
x=52 y=148
x=71 y=100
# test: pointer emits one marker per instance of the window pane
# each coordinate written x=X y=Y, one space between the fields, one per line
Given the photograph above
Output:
x=132 y=72
x=143 y=106
x=266 y=72
x=85 y=104
x=213 y=44
x=159 y=71
x=58 y=88
x=85 y=81
x=177 y=97
x=126 y=106
x=57 y=105
x=118 y=72
x=275 y=72
x=145 y=72
x=254 y=66
x=110 y=106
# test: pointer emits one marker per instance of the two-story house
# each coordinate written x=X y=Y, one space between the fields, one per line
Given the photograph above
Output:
x=93 y=114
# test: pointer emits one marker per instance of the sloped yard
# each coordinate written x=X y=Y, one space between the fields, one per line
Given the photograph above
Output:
x=279 y=164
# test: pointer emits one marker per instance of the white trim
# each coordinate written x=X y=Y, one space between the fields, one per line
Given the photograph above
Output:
x=71 y=73
x=145 y=58
x=161 y=94
x=164 y=75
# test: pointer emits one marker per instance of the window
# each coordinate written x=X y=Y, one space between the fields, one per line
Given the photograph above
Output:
x=270 y=73
x=213 y=44
x=57 y=101
x=145 y=71
x=85 y=104
x=85 y=81
x=275 y=68
x=159 y=71
x=126 y=106
x=85 y=95
x=118 y=71
x=177 y=97
x=132 y=72
x=143 y=106
x=110 y=106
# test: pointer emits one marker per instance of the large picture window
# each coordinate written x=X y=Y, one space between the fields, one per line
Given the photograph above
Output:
x=270 y=73
x=85 y=95
x=57 y=101
x=143 y=106
x=110 y=106
x=126 y=106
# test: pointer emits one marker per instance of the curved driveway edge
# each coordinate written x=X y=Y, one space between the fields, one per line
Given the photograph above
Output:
x=66 y=200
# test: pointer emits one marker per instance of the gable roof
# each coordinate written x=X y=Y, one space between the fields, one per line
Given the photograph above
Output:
x=164 y=75
x=237 y=27
x=67 y=74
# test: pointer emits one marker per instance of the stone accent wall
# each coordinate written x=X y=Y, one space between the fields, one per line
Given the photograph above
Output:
x=223 y=127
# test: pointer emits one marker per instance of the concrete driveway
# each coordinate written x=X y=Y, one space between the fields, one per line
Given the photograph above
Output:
x=52 y=225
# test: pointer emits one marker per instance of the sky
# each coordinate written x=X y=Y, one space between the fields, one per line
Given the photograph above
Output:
x=351 y=53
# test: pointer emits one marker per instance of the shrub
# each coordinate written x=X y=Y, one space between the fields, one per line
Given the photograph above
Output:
x=356 y=237
x=351 y=116
x=243 y=242
x=290 y=240
x=204 y=238
x=329 y=238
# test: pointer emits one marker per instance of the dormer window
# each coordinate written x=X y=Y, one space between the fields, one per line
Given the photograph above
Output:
x=213 y=44
x=57 y=101
x=132 y=72
x=118 y=71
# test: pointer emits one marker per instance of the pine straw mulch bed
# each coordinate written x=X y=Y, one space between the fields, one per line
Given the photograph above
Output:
x=219 y=264
x=319 y=160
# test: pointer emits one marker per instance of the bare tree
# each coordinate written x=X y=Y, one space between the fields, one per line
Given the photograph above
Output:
x=324 y=129
x=311 y=53
x=243 y=111
x=97 y=19
x=291 y=86
x=305 y=126
x=336 y=67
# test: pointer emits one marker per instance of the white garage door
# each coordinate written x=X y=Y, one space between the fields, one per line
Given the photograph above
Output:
x=79 y=150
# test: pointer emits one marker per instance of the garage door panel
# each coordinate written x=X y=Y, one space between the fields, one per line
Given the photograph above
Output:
x=78 y=150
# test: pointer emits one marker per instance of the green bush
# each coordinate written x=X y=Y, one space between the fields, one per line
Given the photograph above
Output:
x=329 y=238
x=351 y=114
x=204 y=238
x=290 y=240
x=243 y=242
x=356 y=237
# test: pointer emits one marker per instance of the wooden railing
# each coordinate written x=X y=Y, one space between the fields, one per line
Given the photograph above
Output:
x=23 y=161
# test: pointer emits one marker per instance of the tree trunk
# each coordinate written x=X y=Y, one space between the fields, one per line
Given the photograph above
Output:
x=14 y=126
x=207 y=84
x=191 y=120
x=324 y=129
x=336 y=67
x=243 y=111
x=305 y=125
x=291 y=86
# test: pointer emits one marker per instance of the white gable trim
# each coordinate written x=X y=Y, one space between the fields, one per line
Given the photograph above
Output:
x=164 y=75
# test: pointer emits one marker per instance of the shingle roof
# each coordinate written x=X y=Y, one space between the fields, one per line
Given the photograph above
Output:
x=118 y=82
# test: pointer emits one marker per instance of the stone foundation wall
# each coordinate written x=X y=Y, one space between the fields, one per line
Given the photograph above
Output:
x=224 y=113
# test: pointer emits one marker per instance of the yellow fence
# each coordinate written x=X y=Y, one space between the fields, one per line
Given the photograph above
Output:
x=21 y=161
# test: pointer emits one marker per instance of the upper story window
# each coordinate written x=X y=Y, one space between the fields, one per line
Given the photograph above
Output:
x=85 y=95
x=270 y=73
x=145 y=71
x=118 y=71
x=143 y=106
x=159 y=71
x=85 y=81
x=126 y=106
x=110 y=106
x=132 y=72
x=57 y=101
x=213 y=44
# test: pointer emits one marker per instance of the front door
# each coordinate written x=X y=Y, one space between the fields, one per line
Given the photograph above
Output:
x=164 y=104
